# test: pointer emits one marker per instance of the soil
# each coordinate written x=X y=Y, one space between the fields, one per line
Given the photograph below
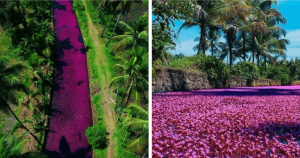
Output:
x=109 y=112
x=31 y=144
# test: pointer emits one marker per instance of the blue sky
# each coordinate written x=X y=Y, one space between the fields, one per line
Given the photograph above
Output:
x=289 y=8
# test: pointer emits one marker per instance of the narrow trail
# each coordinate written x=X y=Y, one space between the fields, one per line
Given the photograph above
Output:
x=109 y=112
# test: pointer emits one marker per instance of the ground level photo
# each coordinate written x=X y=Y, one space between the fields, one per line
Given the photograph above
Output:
x=225 y=79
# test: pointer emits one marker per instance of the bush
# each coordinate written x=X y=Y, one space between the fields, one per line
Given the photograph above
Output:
x=97 y=136
x=280 y=73
x=217 y=72
x=246 y=70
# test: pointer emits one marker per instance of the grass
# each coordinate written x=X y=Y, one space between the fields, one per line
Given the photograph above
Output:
x=121 y=151
x=97 y=69
x=98 y=73
x=4 y=40
x=186 y=63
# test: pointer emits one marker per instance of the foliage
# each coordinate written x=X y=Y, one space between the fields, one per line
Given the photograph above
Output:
x=134 y=34
x=165 y=12
x=278 y=73
x=188 y=63
x=97 y=136
x=134 y=74
x=139 y=124
x=217 y=72
x=246 y=70
x=11 y=146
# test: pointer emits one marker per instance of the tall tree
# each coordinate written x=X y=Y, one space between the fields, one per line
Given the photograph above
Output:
x=125 y=8
x=10 y=83
x=134 y=72
x=134 y=34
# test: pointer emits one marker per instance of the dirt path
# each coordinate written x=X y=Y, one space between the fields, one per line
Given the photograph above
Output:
x=109 y=112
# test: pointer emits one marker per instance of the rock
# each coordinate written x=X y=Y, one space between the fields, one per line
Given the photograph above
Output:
x=178 y=80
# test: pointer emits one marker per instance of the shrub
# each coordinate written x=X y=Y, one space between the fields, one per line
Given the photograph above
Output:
x=217 y=72
x=97 y=136
x=246 y=70
x=279 y=73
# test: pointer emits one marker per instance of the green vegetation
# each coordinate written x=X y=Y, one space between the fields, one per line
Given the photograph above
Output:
x=216 y=70
x=118 y=65
x=26 y=66
x=248 y=35
x=96 y=136
x=246 y=71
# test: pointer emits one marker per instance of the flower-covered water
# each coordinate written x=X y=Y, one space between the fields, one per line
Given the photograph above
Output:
x=71 y=107
x=237 y=122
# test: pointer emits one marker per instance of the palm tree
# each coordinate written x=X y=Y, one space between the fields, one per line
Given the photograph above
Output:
x=263 y=20
x=139 y=123
x=135 y=34
x=203 y=16
x=212 y=41
x=10 y=83
x=10 y=145
x=125 y=8
x=109 y=8
x=134 y=72
x=267 y=43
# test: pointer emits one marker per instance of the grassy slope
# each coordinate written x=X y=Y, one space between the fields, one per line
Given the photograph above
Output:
x=186 y=63
x=97 y=75
x=99 y=71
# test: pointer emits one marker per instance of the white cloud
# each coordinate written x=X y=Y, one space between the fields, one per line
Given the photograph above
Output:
x=185 y=47
x=294 y=37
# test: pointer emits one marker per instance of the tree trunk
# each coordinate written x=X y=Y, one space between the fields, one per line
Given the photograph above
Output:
x=104 y=28
x=258 y=53
x=145 y=153
x=230 y=55
x=202 y=37
x=253 y=49
x=199 y=46
x=114 y=27
x=265 y=64
x=12 y=112
x=127 y=92
x=212 y=49
x=244 y=45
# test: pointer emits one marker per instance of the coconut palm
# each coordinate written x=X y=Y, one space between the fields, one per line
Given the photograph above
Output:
x=125 y=8
x=135 y=34
x=11 y=146
x=202 y=18
x=264 y=20
x=109 y=8
x=134 y=73
x=268 y=44
x=139 y=123
x=10 y=84
x=212 y=41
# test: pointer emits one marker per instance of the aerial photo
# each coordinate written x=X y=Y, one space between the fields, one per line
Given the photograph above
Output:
x=226 y=79
x=74 y=79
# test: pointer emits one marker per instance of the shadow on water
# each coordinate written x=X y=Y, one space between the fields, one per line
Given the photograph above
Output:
x=284 y=131
x=65 y=152
x=56 y=5
x=60 y=47
x=237 y=92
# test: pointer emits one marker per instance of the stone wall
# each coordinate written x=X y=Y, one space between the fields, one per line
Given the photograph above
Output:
x=265 y=82
x=168 y=79
x=235 y=82
x=178 y=80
